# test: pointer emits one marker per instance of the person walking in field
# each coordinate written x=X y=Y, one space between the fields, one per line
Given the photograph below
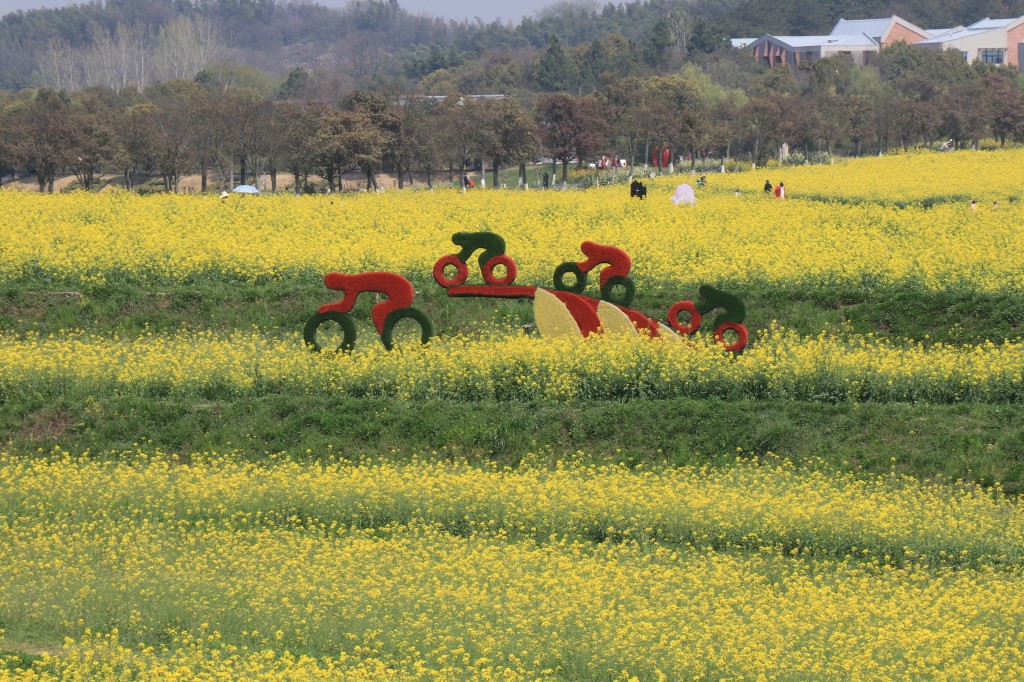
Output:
x=767 y=186
x=780 y=191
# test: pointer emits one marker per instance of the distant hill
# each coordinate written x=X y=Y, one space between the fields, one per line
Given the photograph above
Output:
x=374 y=41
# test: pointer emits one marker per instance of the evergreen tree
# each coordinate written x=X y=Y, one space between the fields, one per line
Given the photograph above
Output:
x=554 y=70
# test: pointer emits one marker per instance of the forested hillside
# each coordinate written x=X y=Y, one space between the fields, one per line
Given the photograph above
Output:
x=376 y=41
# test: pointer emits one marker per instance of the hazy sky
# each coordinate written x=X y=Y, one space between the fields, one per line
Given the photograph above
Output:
x=513 y=10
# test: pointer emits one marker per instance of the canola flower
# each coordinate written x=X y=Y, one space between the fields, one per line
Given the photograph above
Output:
x=918 y=177
x=750 y=505
x=147 y=568
x=186 y=582
x=82 y=240
x=779 y=365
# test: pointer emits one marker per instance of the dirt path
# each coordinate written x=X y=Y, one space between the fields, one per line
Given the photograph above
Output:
x=191 y=184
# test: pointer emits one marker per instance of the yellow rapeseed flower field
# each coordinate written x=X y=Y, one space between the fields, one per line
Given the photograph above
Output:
x=428 y=571
x=845 y=235
x=138 y=564
x=779 y=365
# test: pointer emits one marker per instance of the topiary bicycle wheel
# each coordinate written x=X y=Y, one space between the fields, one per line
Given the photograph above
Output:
x=510 y=270
x=426 y=326
x=684 y=307
x=443 y=263
x=564 y=269
x=741 y=336
x=344 y=320
x=626 y=283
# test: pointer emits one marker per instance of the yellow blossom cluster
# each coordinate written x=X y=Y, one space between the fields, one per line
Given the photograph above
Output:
x=919 y=177
x=426 y=571
x=750 y=504
x=779 y=365
x=835 y=229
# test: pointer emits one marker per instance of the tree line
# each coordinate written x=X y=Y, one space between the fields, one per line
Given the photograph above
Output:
x=727 y=110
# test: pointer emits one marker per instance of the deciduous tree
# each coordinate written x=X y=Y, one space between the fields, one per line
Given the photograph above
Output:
x=39 y=136
x=569 y=128
x=93 y=141
x=508 y=134
x=370 y=128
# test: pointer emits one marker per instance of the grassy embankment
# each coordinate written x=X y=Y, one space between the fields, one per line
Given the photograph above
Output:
x=981 y=442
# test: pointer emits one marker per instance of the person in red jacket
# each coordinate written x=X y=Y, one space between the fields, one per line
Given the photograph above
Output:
x=780 y=191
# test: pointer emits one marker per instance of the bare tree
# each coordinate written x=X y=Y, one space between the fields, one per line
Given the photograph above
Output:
x=117 y=61
x=126 y=58
x=680 y=22
x=184 y=47
x=60 y=67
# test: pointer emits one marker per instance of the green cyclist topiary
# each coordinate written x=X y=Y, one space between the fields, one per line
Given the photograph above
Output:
x=731 y=306
x=491 y=243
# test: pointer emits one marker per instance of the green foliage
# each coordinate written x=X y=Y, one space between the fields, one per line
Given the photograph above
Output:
x=423 y=60
x=656 y=46
x=627 y=59
x=554 y=70
x=232 y=75
x=972 y=441
x=276 y=31
x=297 y=84
x=708 y=36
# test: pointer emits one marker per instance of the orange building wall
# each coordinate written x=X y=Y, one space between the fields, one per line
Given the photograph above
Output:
x=899 y=33
x=1014 y=37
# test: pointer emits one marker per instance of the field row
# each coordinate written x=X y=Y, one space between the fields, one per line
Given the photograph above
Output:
x=753 y=505
x=308 y=572
x=86 y=240
x=918 y=178
x=778 y=365
x=424 y=605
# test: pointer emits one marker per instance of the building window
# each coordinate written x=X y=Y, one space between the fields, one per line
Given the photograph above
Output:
x=991 y=56
x=808 y=55
x=964 y=55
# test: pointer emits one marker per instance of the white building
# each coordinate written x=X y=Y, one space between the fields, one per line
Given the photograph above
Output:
x=994 y=41
x=795 y=50
x=885 y=32
x=859 y=39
